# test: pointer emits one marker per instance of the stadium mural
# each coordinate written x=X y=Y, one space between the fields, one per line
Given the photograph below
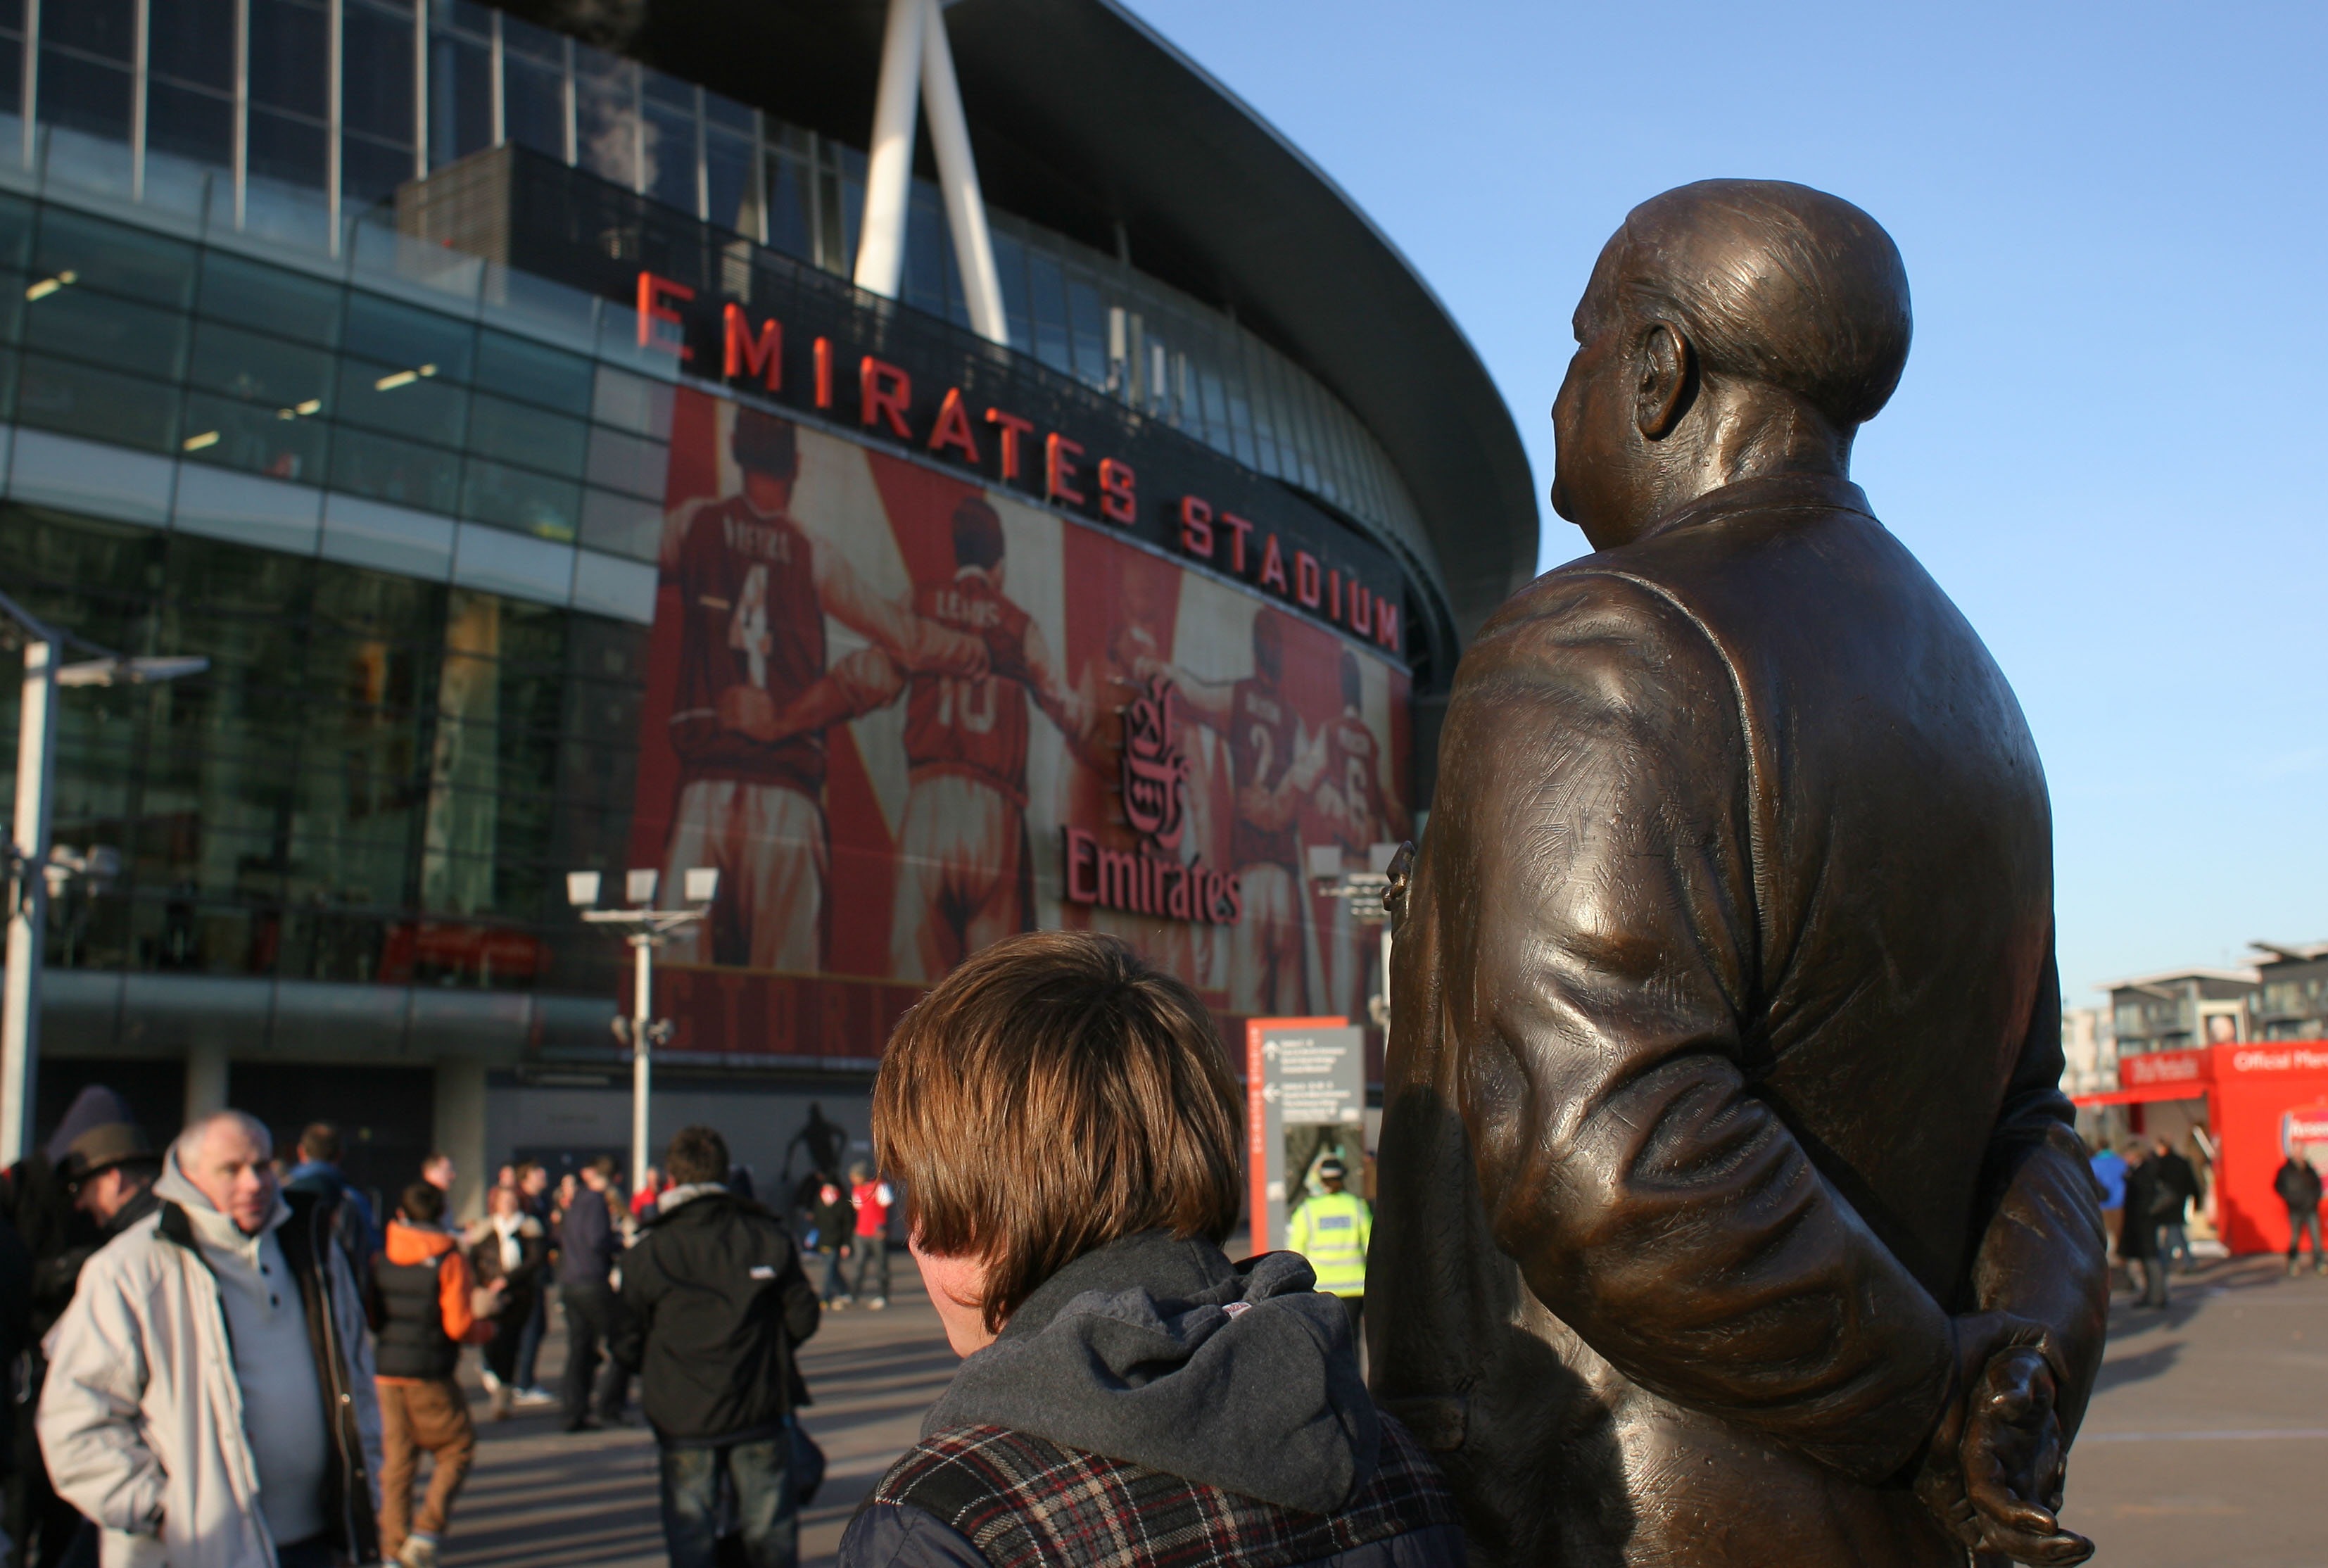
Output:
x=906 y=713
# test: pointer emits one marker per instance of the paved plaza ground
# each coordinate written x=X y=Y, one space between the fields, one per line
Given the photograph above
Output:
x=2206 y=1442
x=2204 y=1446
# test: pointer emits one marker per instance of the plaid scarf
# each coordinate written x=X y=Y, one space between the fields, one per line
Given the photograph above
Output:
x=1023 y=1501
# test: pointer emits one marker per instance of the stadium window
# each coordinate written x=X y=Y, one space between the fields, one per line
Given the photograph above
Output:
x=461 y=100
x=193 y=41
x=189 y=123
x=790 y=228
x=534 y=372
x=1089 y=318
x=288 y=47
x=518 y=433
x=100 y=29
x=425 y=478
x=79 y=399
x=110 y=258
x=1047 y=290
x=289 y=304
x=376 y=73
x=534 y=106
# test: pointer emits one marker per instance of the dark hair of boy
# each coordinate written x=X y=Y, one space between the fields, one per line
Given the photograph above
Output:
x=698 y=1154
x=422 y=1203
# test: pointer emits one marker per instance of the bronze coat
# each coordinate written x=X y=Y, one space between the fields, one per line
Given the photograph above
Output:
x=1724 y=1064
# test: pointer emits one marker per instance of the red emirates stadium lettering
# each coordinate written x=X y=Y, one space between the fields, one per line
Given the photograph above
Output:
x=751 y=351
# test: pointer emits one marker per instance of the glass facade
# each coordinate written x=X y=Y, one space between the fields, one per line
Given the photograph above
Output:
x=161 y=344
x=380 y=780
x=335 y=103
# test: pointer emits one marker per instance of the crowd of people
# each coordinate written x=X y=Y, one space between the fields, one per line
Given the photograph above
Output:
x=226 y=1357
x=2148 y=1191
x=231 y=1358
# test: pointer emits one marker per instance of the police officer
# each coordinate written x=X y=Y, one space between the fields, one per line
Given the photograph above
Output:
x=1331 y=1230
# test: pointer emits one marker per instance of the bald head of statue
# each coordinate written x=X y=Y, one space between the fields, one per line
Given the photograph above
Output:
x=1732 y=329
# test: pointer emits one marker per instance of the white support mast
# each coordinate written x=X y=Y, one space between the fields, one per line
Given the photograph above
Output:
x=917 y=65
x=888 y=170
x=973 y=246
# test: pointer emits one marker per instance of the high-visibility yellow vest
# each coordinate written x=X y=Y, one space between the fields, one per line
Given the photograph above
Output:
x=1331 y=1230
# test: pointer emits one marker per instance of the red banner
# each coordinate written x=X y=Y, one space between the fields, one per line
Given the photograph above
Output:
x=883 y=698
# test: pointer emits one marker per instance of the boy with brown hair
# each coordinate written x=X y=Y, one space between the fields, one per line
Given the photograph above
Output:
x=425 y=1307
x=1062 y=1121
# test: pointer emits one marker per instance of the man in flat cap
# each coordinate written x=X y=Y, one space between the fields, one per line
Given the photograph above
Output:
x=105 y=1161
x=101 y=1163
x=1732 y=1215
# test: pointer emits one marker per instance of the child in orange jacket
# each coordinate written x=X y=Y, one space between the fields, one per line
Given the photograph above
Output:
x=425 y=1306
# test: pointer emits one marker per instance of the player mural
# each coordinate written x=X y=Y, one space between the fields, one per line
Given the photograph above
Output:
x=886 y=702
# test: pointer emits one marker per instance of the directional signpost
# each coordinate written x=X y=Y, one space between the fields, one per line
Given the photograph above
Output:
x=1298 y=1073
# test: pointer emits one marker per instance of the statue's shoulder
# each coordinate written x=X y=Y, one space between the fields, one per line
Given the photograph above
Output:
x=1587 y=639
x=1598 y=605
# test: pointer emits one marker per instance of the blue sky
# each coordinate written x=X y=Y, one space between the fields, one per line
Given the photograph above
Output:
x=2107 y=445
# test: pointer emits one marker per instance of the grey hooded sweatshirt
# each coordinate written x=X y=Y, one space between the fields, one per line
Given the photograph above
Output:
x=1155 y=1356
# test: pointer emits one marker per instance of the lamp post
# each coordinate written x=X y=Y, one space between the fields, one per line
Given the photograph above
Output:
x=28 y=870
x=645 y=928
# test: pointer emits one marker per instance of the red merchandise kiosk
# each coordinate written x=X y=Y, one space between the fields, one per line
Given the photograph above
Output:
x=2261 y=1098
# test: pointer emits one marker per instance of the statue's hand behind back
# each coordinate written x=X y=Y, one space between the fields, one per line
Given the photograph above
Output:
x=2003 y=1493
x=2013 y=1462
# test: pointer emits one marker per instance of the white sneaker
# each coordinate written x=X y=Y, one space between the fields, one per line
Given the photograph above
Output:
x=536 y=1396
x=417 y=1552
x=492 y=1384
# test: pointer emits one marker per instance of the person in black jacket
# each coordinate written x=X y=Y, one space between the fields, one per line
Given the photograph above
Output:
x=587 y=1246
x=2178 y=1188
x=92 y=1181
x=2298 y=1185
x=714 y=1300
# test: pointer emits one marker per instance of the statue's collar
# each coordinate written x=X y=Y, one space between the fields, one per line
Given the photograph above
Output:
x=1769 y=492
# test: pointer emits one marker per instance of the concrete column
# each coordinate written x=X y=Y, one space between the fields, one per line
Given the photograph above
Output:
x=460 y=1126
x=205 y=1078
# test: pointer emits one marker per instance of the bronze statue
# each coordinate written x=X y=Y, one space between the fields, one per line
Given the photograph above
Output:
x=1731 y=1212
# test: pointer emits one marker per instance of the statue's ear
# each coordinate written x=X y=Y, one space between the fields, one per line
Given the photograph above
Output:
x=1665 y=366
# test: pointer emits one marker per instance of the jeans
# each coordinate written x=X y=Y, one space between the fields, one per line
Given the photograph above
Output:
x=2302 y=1222
x=413 y=1416
x=836 y=1279
x=502 y=1351
x=589 y=1324
x=872 y=1252
x=2174 y=1246
x=529 y=1341
x=759 y=1487
x=2154 y=1267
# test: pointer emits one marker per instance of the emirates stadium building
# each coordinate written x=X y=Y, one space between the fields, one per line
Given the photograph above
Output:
x=946 y=471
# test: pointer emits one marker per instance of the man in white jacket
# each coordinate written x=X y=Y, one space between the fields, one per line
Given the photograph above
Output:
x=209 y=1399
